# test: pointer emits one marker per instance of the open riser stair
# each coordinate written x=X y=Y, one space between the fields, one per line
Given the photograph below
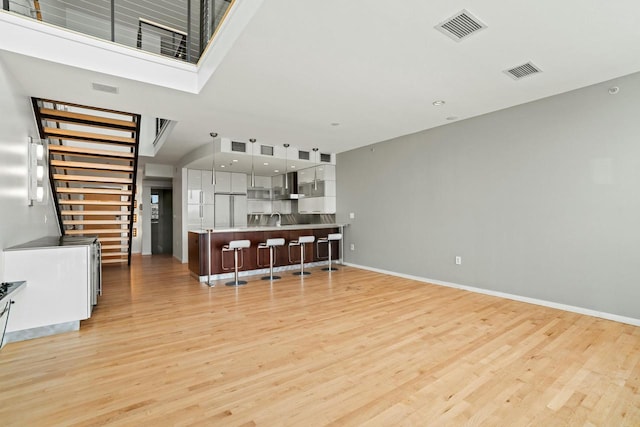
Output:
x=93 y=156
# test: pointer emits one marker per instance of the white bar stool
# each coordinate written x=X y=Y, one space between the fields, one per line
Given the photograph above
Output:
x=301 y=242
x=270 y=244
x=235 y=246
x=330 y=238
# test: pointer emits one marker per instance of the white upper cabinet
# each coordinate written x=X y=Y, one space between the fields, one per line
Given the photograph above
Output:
x=194 y=186
x=231 y=182
x=208 y=192
x=239 y=183
x=317 y=205
x=326 y=172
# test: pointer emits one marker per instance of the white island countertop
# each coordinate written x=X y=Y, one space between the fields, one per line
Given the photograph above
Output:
x=267 y=228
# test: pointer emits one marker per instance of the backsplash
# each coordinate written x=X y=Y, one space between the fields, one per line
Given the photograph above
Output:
x=266 y=220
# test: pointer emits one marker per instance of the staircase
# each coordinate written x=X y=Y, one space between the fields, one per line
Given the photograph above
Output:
x=93 y=155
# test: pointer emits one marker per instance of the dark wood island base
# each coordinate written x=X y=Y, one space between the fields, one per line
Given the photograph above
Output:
x=254 y=262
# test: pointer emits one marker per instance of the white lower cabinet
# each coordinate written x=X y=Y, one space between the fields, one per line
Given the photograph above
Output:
x=58 y=286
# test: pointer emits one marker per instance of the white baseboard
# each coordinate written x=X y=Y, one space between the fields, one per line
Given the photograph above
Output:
x=551 y=304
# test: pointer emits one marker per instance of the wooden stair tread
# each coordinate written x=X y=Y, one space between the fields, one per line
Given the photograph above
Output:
x=110 y=254
x=69 y=190
x=89 y=152
x=112 y=239
x=115 y=212
x=91 y=231
x=92 y=178
x=114 y=261
x=94 y=222
x=86 y=136
x=88 y=165
x=87 y=119
x=92 y=202
x=106 y=247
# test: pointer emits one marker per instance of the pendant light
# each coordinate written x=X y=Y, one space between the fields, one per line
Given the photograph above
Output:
x=213 y=158
x=286 y=167
x=315 y=170
x=253 y=174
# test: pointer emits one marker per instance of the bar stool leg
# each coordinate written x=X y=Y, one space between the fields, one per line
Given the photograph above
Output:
x=301 y=272
x=329 y=268
x=271 y=276
x=236 y=282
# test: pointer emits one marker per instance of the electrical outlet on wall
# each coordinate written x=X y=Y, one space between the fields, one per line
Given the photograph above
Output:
x=458 y=260
x=352 y=246
x=352 y=215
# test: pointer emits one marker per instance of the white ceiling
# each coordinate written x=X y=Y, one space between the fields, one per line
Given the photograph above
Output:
x=374 y=67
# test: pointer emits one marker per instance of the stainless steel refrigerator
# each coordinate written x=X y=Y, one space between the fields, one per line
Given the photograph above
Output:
x=230 y=210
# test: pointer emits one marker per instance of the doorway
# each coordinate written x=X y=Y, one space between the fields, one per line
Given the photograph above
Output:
x=161 y=221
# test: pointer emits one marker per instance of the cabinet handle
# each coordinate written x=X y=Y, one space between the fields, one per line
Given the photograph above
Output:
x=201 y=211
x=201 y=196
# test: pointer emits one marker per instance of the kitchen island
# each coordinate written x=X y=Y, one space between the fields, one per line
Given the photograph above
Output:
x=254 y=262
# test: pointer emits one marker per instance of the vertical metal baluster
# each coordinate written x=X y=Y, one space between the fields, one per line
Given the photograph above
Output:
x=189 y=31
x=113 y=20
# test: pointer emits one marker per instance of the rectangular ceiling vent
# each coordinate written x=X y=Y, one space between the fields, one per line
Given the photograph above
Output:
x=522 y=71
x=303 y=155
x=104 y=88
x=460 y=26
x=239 y=147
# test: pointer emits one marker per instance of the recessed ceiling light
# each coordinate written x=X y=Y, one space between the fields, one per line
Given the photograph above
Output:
x=452 y=118
x=438 y=103
x=276 y=171
x=235 y=160
x=221 y=166
x=266 y=163
x=293 y=166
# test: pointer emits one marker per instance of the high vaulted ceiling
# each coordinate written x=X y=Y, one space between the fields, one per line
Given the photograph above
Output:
x=372 y=67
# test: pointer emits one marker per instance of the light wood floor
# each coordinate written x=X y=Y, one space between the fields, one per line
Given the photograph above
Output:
x=354 y=348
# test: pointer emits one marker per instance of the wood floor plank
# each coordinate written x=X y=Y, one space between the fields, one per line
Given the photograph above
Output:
x=347 y=349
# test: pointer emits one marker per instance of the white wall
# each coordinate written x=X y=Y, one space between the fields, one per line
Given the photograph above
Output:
x=180 y=241
x=540 y=201
x=18 y=222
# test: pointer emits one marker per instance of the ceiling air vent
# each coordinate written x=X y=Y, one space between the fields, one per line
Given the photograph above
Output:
x=303 y=155
x=521 y=71
x=266 y=150
x=460 y=26
x=104 y=88
x=240 y=147
x=325 y=157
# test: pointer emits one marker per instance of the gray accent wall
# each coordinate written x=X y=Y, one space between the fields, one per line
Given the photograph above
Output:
x=540 y=200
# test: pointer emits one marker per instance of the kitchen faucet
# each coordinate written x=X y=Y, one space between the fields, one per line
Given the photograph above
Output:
x=279 y=221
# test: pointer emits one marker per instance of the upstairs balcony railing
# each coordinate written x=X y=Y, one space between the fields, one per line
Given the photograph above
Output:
x=179 y=29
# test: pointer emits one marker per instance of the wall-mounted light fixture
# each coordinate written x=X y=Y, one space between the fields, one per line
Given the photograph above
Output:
x=37 y=171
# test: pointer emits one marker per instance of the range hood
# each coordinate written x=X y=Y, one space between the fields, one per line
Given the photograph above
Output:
x=292 y=192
